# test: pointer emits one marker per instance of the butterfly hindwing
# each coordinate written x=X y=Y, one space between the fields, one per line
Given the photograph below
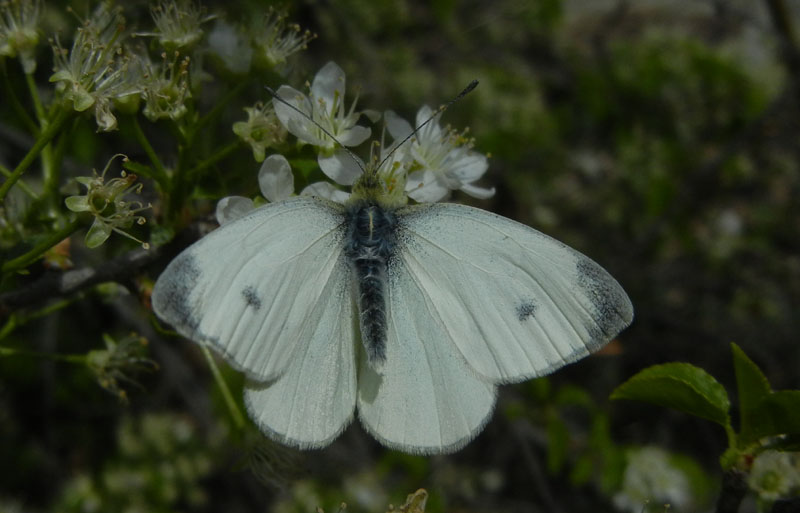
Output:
x=313 y=401
x=426 y=399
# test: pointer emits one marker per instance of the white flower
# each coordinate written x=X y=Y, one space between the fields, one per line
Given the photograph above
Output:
x=443 y=159
x=274 y=40
x=261 y=130
x=106 y=202
x=165 y=88
x=775 y=475
x=19 y=33
x=650 y=477
x=233 y=50
x=178 y=24
x=324 y=107
x=96 y=70
x=276 y=182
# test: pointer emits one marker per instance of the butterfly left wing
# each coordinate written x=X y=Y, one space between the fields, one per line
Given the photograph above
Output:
x=271 y=291
x=252 y=289
x=514 y=303
x=314 y=400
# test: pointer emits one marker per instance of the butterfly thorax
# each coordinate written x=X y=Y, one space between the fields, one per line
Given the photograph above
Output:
x=369 y=245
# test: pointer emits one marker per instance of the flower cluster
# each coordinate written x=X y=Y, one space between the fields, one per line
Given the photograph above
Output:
x=19 y=34
x=97 y=70
x=120 y=358
x=261 y=130
x=274 y=40
x=425 y=164
x=178 y=24
x=166 y=89
x=775 y=475
x=100 y=71
x=105 y=201
x=651 y=477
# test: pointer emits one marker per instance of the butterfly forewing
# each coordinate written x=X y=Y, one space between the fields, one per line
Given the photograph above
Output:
x=251 y=289
x=514 y=302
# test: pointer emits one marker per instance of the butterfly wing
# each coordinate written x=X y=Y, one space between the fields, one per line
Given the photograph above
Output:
x=271 y=292
x=313 y=401
x=253 y=289
x=426 y=399
x=514 y=302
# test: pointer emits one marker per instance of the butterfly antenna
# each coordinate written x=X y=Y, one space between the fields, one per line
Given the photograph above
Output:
x=472 y=85
x=324 y=130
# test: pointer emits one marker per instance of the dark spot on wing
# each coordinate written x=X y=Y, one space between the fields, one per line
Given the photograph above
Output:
x=613 y=310
x=173 y=289
x=525 y=310
x=250 y=296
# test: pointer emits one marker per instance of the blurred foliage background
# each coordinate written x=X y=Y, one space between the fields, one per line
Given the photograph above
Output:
x=660 y=138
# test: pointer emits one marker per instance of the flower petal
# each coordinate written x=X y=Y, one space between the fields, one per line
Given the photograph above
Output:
x=470 y=167
x=326 y=190
x=295 y=122
x=354 y=136
x=423 y=186
x=329 y=84
x=478 y=192
x=275 y=178
x=398 y=127
x=231 y=208
x=341 y=167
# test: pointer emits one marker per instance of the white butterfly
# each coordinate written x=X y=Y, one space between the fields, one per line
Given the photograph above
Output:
x=410 y=315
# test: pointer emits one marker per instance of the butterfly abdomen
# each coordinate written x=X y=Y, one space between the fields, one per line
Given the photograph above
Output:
x=369 y=246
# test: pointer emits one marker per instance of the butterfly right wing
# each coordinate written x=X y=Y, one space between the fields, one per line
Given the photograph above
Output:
x=254 y=289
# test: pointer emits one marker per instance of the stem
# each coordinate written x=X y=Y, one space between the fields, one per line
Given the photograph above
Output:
x=70 y=358
x=733 y=439
x=217 y=110
x=42 y=141
x=734 y=487
x=140 y=170
x=238 y=419
x=38 y=250
x=22 y=185
x=37 y=103
x=160 y=175
x=12 y=98
x=213 y=159
x=50 y=169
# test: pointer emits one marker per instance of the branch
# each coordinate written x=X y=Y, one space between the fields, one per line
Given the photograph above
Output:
x=782 y=22
x=734 y=487
x=120 y=269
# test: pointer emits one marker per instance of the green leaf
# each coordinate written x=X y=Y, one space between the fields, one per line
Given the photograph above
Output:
x=680 y=386
x=752 y=387
x=777 y=414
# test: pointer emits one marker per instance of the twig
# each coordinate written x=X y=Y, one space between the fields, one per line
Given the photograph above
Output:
x=734 y=487
x=782 y=21
x=120 y=269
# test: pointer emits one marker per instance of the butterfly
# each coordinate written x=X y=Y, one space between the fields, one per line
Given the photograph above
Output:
x=409 y=315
